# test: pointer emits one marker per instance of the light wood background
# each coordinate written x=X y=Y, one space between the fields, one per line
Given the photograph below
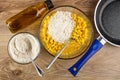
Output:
x=105 y=65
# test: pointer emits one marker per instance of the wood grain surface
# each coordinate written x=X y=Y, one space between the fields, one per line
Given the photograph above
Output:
x=105 y=65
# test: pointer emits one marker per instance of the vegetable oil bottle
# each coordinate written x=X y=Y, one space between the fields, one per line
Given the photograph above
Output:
x=28 y=16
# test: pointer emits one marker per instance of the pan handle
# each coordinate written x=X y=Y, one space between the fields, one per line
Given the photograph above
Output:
x=96 y=45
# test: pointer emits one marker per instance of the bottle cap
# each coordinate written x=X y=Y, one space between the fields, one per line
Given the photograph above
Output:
x=49 y=4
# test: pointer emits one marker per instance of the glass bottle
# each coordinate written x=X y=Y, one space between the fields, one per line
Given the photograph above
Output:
x=28 y=16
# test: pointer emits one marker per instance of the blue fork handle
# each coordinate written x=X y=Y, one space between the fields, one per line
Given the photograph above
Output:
x=96 y=45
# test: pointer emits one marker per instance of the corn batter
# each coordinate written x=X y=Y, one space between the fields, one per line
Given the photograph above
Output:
x=79 y=37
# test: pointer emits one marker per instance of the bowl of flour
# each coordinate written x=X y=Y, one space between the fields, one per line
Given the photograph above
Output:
x=62 y=24
x=21 y=44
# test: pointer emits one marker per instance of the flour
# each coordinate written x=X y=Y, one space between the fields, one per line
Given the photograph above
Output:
x=20 y=45
x=61 y=26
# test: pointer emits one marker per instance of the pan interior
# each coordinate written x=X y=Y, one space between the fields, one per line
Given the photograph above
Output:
x=110 y=20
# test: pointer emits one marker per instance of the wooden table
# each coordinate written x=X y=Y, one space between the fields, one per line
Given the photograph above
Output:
x=105 y=65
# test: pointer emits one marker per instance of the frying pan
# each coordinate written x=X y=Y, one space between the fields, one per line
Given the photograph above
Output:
x=107 y=22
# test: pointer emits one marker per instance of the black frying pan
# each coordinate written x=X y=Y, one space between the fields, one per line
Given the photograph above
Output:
x=107 y=22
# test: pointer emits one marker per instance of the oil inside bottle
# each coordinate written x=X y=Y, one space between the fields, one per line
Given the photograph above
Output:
x=28 y=16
